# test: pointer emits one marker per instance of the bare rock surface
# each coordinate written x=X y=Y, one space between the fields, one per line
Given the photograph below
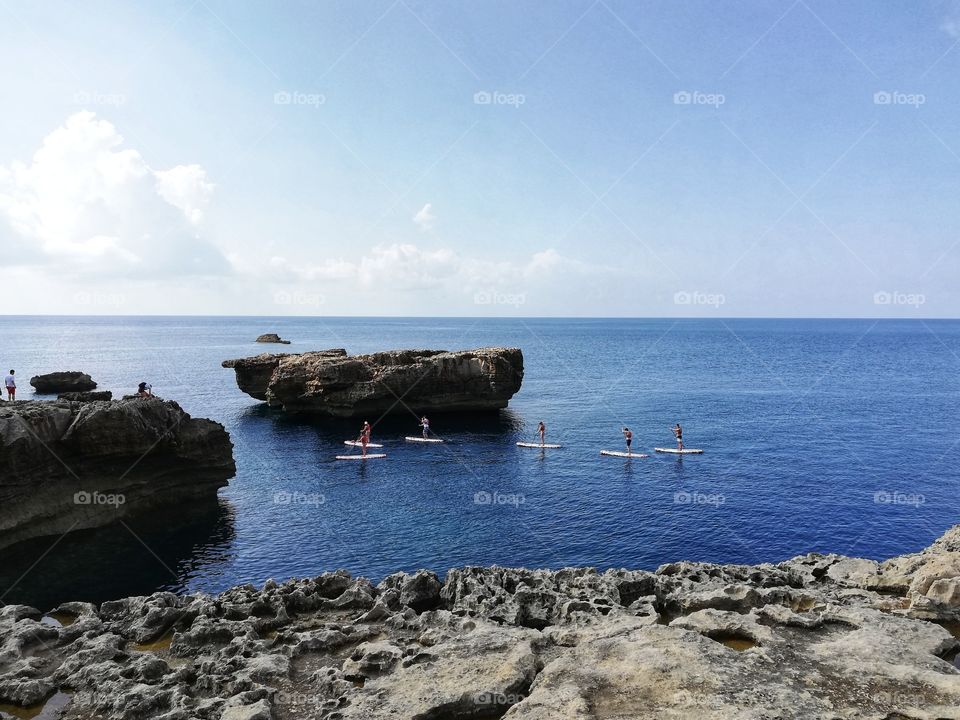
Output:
x=811 y=637
x=330 y=382
x=58 y=382
x=67 y=465
x=272 y=338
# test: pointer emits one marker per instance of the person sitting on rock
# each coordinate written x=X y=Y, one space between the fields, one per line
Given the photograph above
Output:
x=11 y=384
x=145 y=390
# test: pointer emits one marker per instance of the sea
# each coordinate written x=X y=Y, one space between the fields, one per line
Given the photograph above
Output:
x=832 y=436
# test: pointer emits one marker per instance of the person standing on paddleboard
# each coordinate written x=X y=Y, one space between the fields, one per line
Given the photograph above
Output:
x=425 y=424
x=542 y=432
x=628 y=435
x=678 y=431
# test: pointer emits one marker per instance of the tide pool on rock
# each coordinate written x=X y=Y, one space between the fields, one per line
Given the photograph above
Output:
x=814 y=636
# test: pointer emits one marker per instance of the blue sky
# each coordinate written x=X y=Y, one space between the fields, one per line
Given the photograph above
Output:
x=634 y=158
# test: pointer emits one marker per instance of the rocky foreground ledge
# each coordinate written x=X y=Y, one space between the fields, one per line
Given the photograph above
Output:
x=329 y=382
x=818 y=636
x=74 y=465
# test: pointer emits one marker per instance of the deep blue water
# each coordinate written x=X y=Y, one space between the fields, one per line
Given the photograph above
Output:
x=803 y=423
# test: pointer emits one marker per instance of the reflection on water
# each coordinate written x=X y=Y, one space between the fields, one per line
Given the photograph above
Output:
x=47 y=710
x=136 y=557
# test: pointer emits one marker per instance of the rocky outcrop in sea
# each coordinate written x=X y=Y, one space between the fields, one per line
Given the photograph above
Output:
x=72 y=465
x=59 y=382
x=817 y=636
x=272 y=338
x=332 y=383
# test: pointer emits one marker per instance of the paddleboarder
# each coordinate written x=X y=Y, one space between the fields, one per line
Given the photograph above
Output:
x=628 y=436
x=425 y=424
x=678 y=432
x=542 y=432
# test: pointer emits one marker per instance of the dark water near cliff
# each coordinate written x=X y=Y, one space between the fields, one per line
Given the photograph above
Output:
x=837 y=436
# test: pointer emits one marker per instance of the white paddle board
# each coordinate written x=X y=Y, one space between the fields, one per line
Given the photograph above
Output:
x=354 y=443
x=420 y=439
x=369 y=456
x=536 y=445
x=617 y=453
x=685 y=451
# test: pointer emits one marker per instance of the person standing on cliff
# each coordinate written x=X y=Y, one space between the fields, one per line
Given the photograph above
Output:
x=425 y=424
x=678 y=432
x=542 y=432
x=628 y=436
x=11 y=384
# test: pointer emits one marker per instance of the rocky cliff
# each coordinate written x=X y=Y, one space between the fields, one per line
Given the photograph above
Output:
x=332 y=383
x=68 y=466
x=818 y=636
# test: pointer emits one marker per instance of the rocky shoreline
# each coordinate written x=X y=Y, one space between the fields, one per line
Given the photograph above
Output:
x=817 y=636
x=332 y=383
x=67 y=465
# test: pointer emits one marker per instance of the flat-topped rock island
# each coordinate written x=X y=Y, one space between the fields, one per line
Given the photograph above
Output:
x=333 y=383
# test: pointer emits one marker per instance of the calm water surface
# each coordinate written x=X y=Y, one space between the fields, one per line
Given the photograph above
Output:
x=836 y=436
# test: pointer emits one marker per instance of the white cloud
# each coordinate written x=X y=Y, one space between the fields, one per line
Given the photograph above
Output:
x=88 y=206
x=407 y=267
x=186 y=187
x=425 y=217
